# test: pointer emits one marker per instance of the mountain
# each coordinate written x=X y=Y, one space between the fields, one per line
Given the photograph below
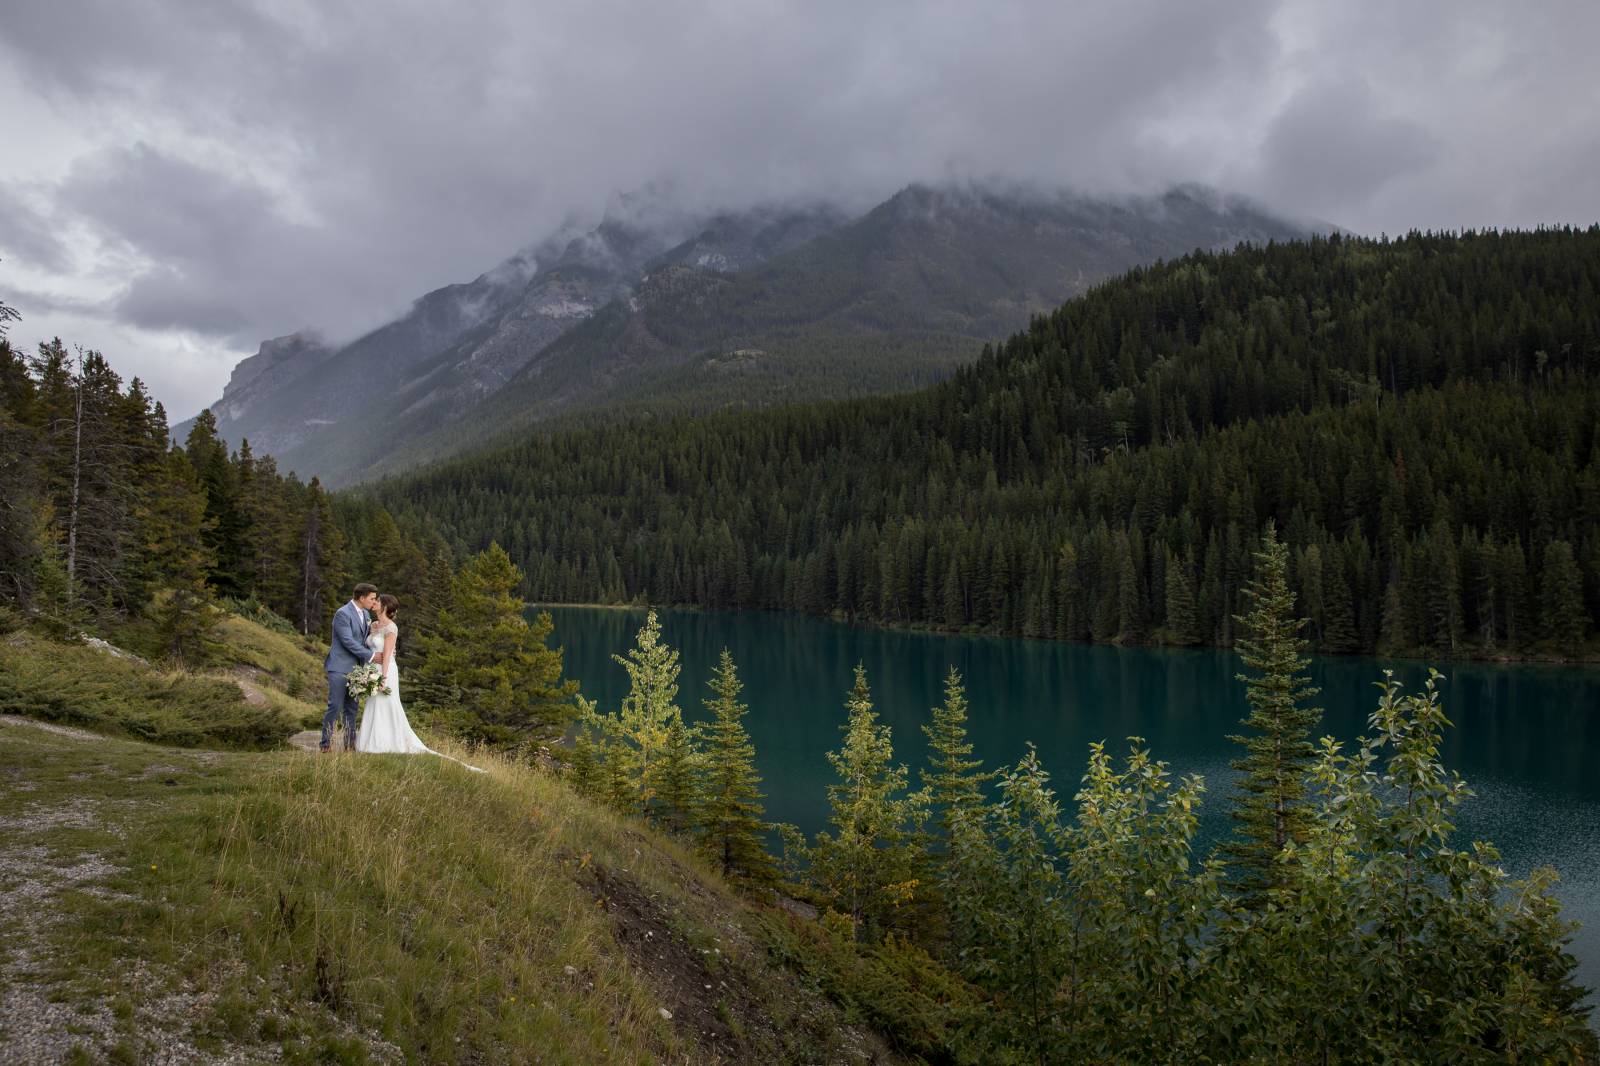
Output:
x=1420 y=419
x=656 y=310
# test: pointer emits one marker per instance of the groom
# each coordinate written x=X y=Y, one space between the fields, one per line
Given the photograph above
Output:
x=352 y=624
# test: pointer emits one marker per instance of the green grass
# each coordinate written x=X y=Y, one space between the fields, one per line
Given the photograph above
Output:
x=81 y=686
x=375 y=908
x=266 y=682
x=363 y=908
x=276 y=655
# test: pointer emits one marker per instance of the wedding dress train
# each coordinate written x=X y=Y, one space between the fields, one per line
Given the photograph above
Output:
x=384 y=727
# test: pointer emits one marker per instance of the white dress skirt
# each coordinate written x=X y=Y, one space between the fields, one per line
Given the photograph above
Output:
x=384 y=727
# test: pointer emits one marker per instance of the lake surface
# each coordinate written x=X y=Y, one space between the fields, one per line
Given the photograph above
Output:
x=1526 y=738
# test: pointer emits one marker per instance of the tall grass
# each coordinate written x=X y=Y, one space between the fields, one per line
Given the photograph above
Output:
x=433 y=906
x=281 y=657
x=79 y=685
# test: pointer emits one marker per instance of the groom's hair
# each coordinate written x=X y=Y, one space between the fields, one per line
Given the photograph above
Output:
x=362 y=589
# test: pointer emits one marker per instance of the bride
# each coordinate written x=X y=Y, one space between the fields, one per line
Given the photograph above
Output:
x=384 y=727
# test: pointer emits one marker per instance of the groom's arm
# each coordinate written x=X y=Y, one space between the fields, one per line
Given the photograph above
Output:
x=345 y=634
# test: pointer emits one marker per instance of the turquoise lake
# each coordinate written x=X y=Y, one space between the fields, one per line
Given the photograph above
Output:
x=1526 y=738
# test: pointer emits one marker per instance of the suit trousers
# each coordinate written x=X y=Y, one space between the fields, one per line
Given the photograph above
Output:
x=340 y=702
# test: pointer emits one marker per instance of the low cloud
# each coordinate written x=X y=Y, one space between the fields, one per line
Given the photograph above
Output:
x=201 y=177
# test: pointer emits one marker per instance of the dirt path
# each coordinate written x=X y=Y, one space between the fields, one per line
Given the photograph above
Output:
x=307 y=741
x=71 y=990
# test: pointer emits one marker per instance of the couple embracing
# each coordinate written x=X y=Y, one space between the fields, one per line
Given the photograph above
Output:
x=364 y=632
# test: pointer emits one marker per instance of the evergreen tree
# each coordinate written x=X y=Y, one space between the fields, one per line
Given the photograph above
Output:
x=953 y=782
x=731 y=808
x=1181 y=624
x=487 y=662
x=225 y=523
x=1339 y=626
x=676 y=804
x=1270 y=810
x=952 y=779
x=1008 y=880
x=1561 y=596
x=319 y=553
x=22 y=504
x=867 y=866
x=648 y=713
x=175 y=532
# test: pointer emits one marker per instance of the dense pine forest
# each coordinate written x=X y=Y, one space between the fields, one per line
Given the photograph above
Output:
x=1418 y=417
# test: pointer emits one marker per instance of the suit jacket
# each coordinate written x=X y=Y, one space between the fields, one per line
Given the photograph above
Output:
x=351 y=627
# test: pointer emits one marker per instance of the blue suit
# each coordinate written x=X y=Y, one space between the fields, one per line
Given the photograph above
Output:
x=351 y=627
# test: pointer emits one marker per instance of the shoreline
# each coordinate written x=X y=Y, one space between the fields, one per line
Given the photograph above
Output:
x=1497 y=659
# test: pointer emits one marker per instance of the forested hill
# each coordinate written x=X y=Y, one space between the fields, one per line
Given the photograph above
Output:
x=1418 y=416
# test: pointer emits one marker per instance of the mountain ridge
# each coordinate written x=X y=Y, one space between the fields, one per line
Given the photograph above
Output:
x=643 y=314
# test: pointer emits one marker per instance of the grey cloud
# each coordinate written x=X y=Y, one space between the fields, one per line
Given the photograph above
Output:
x=164 y=299
x=1331 y=149
x=29 y=236
x=266 y=167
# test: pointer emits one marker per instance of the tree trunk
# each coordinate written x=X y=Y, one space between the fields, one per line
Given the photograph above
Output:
x=77 y=472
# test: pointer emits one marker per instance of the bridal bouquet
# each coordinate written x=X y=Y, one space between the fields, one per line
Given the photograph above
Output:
x=365 y=682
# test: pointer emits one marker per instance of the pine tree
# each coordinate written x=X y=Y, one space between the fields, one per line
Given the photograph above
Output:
x=391 y=561
x=225 y=523
x=1561 y=598
x=175 y=536
x=319 y=551
x=953 y=781
x=486 y=661
x=1270 y=811
x=731 y=809
x=1181 y=621
x=868 y=865
x=432 y=596
x=1339 y=626
x=1130 y=596
x=677 y=801
x=22 y=505
x=648 y=712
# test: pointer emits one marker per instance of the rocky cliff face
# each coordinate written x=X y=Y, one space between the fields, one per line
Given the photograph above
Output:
x=278 y=360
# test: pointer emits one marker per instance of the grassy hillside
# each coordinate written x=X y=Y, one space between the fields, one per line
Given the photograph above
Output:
x=175 y=879
x=250 y=699
x=375 y=908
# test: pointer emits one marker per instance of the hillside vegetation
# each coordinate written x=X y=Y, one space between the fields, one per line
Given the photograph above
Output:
x=368 y=909
x=1418 y=416
x=249 y=696
x=349 y=909
x=353 y=908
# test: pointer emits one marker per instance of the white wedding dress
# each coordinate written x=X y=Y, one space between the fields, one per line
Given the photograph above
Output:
x=384 y=728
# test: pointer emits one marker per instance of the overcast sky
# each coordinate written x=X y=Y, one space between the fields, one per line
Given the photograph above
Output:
x=180 y=180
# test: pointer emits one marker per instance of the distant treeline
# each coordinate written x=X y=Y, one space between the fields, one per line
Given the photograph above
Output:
x=1419 y=417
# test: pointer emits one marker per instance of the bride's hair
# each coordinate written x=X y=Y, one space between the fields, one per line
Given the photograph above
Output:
x=391 y=606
